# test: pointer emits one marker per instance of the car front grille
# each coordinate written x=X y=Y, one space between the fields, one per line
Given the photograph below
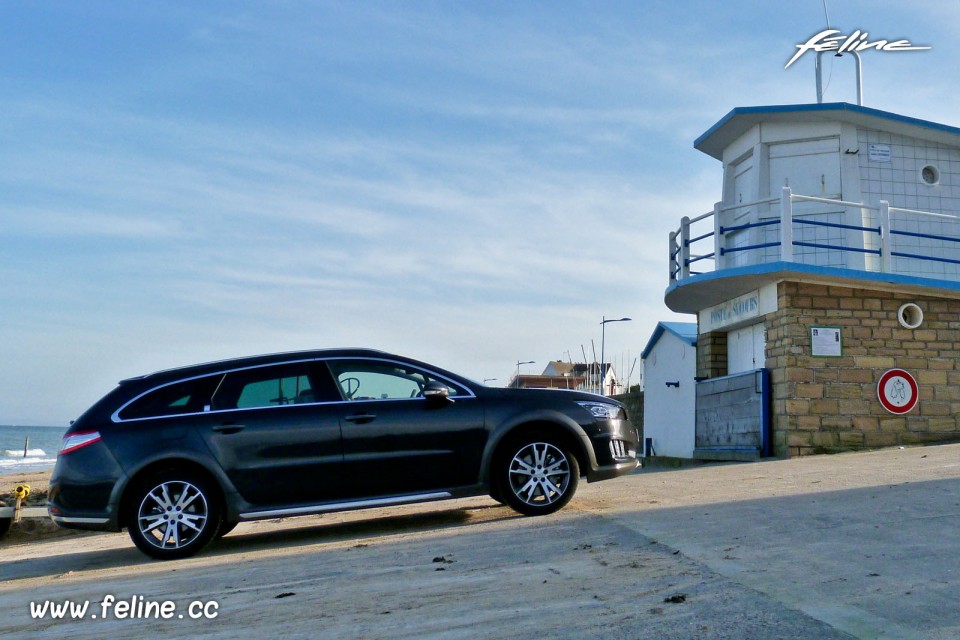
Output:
x=619 y=450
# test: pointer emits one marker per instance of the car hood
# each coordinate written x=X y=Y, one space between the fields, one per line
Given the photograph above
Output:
x=551 y=394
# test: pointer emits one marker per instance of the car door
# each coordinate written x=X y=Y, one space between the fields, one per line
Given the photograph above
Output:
x=275 y=430
x=396 y=441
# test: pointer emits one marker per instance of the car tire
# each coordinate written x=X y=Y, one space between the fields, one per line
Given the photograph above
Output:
x=4 y=522
x=536 y=474
x=173 y=515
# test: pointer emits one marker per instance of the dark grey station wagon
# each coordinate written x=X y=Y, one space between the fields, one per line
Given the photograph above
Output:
x=180 y=457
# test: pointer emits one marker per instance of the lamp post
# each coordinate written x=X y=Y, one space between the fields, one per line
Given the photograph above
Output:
x=603 y=340
x=486 y=380
x=518 y=370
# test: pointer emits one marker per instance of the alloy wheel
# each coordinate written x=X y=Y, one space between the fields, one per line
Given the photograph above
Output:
x=539 y=474
x=173 y=514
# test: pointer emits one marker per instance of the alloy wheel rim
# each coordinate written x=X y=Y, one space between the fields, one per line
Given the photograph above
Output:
x=539 y=474
x=173 y=514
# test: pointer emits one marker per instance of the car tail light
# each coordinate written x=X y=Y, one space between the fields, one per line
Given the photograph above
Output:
x=74 y=441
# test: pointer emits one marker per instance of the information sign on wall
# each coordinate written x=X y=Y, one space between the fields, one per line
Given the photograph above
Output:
x=826 y=342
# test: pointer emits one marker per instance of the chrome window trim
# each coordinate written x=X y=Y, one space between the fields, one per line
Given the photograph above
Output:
x=115 y=417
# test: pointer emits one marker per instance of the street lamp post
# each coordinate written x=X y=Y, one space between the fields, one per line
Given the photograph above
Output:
x=518 y=370
x=603 y=340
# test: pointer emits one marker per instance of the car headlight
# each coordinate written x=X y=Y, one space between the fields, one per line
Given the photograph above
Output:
x=602 y=410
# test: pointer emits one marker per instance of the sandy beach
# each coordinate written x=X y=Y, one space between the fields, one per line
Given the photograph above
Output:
x=30 y=528
x=38 y=481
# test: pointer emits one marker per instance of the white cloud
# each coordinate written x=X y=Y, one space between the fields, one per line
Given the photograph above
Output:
x=470 y=183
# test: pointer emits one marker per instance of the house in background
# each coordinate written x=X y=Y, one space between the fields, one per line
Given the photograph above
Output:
x=576 y=376
x=669 y=410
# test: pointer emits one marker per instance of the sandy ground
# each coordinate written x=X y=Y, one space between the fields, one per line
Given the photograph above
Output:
x=847 y=546
x=30 y=528
x=38 y=481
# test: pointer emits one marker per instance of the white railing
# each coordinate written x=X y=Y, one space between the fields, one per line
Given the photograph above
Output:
x=875 y=240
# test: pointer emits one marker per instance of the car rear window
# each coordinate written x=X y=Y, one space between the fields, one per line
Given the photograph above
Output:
x=179 y=398
x=269 y=386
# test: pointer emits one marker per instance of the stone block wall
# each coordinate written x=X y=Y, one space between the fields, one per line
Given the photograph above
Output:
x=823 y=405
x=712 y=354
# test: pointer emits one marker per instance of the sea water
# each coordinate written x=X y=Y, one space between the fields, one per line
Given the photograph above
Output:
x=41 y=451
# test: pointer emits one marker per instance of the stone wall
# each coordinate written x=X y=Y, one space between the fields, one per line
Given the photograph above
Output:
x=830 y=404
x=712 y=354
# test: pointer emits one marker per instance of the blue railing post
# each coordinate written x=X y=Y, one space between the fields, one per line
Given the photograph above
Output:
x=786 y=225
x=685 y=247
x=886 y=242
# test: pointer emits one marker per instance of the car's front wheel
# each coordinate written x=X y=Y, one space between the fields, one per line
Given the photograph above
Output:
x=173 y=515
x=537 y=475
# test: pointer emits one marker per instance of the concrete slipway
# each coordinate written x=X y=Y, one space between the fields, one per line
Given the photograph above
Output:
x=856 y=545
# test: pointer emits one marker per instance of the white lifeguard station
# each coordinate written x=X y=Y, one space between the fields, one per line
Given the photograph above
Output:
x=832 y=257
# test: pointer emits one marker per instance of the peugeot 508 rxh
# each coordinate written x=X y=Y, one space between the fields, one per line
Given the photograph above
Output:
x=180 y=457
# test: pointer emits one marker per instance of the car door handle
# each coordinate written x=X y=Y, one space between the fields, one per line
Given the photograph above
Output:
x=228 y=428
x=361 y=418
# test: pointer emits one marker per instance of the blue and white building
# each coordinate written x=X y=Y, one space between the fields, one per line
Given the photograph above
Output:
x=835 y=220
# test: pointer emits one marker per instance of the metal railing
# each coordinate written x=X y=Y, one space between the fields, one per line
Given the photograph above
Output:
x=689 y=250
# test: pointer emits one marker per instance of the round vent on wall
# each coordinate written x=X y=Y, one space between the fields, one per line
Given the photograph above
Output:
x=910 y=315
x=930 y=175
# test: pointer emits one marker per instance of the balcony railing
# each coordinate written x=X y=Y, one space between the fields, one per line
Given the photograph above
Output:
x=827 y=232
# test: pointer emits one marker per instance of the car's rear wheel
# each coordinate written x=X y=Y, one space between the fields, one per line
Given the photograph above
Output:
x=173 y=515
x=4 y=522
x=536 y=474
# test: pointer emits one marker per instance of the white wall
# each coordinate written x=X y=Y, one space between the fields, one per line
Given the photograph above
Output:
x=898 y=180
x=669 y=413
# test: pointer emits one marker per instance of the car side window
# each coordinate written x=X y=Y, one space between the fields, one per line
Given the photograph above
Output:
x=379 y=380
x=179 y=398
x=272 y=386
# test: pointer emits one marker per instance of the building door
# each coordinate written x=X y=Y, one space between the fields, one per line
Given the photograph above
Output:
x=812 y=168
x=746 y=349
x=809 y=168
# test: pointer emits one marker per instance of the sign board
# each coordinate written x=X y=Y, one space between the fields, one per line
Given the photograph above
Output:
x=879 y=153
x=825 y=342
x=898 y=391
x=733 y=311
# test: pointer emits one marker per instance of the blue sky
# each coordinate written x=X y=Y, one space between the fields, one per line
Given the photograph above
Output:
x=469 y=183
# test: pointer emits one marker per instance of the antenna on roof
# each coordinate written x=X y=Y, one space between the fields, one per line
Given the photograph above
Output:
x=819 y=66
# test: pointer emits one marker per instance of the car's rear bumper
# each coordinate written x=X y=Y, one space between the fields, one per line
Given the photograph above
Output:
x=85 y=522
x=83 y=490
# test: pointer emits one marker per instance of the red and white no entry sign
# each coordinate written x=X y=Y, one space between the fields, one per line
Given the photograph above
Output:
x=898 y=391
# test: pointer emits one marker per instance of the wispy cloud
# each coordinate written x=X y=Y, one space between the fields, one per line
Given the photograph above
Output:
x=474 y=183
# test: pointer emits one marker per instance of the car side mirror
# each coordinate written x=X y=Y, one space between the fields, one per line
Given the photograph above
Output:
x=436 y=391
